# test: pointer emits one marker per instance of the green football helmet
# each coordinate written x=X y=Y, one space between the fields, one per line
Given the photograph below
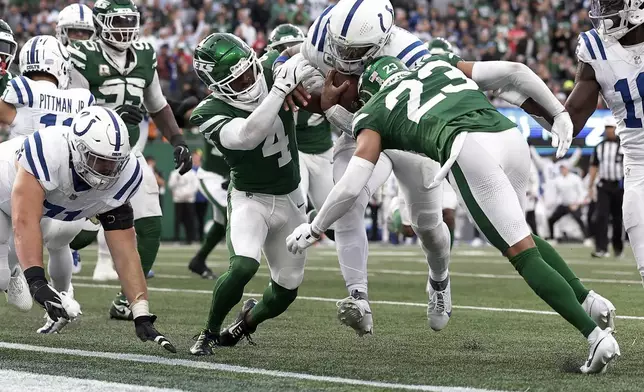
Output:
x=230 y=69
x=380 y=72
x=116 y=22
x=439 y=46
x=285 y=36
x=8 y=47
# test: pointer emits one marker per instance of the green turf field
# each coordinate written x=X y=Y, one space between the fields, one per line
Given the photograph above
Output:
x=500 y=337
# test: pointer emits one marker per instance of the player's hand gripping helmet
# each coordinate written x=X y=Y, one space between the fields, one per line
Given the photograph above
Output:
x=381 y=72
x=8 y=47
x=43 y=53
x=230 y=69
x=615 y=18
x=100 y=146
x=285 y=36
x=357 y=30
x=75 y=22
x=116 y=22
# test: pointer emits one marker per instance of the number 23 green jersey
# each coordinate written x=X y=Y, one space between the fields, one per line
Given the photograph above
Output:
x=426 y=109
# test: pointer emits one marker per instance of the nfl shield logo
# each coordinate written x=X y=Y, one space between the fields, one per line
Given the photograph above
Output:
x=103 y=70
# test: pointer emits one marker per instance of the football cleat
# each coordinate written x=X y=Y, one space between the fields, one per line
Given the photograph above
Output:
x=18 y=293
x=199 y=267
x=439 y=308
x=355 y=312
x=603 y=349
x=239 y=328
x=52 y=326
x=120 y=308
x=601 y=310
x=205 y=342
x=76 y=268
x=104 y=270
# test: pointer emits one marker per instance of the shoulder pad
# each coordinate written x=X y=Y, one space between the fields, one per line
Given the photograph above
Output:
x=19 y=92
x=79 y=52
x=590 y=47
x=145 y=53
x=406 y=46
x=129 y=182
x=41 y=156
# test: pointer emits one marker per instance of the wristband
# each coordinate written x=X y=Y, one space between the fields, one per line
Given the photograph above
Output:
x=280 y=59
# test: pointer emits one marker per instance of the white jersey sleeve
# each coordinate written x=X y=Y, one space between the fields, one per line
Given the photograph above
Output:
x=19 y=92
x=313 y=46
x=41 y=156
x=128 y=183
x=153 y=98
x=590 y=47
x=405 y=46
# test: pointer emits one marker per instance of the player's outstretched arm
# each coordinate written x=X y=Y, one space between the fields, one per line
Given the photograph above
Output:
x=582 y=101
x=344 y=193
x=121 y=241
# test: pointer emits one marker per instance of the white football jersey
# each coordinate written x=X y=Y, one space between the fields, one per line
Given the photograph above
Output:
x=47 y=156
x=620 y=73
x=402 y=44
x=40 y=104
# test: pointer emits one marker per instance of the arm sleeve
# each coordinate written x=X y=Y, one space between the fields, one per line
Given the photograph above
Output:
x=41 y=160
x=494 y=75
x=153 y=98
x=344 y=193
x=77 y=80
x=247 y=133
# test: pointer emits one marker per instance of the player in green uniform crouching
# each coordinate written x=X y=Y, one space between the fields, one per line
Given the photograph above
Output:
x=8 y=47
x=438 y=110
x=257 y=139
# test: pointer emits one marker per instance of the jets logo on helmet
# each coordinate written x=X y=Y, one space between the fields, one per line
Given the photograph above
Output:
x=615 y=18
x=75 y=23
x=43 y=53
x=8 y=47
x=100 y=147
x=116 y=22
x=230 y=69
x=357 y=30
x=285 y=36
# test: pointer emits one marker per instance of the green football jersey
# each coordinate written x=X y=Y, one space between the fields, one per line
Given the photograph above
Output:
x=4 y=81
x=427 y=108
x=111 y=87
x=312 y=130
x=272 y=167
x=213 y=160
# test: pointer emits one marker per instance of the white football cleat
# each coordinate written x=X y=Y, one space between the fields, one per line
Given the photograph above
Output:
x=52 y=326
x=18 y=293
x=355 y=312
x=603 y=349
x=601 y=310
x=71 y=306
x=104 y=270
x=439 y=308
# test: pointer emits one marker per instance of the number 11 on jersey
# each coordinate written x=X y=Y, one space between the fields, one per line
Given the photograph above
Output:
x=622 y=86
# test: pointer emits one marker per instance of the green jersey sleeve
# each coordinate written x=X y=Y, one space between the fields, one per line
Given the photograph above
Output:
x=4 y=81
x=267 y=61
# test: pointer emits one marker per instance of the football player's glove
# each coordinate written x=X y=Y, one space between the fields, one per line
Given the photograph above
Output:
x=301 y=238
x=130 y=114
x=182 y=158
x=49 y=299
x=145 y=331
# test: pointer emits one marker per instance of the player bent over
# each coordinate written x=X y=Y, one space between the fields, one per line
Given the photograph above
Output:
x=246 y=124
x=71 y=173
x=438 y=111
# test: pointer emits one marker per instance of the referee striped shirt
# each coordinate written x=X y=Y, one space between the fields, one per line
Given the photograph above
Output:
x=609 y=158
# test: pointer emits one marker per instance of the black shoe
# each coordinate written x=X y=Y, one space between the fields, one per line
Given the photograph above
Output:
x=199 y=267
x=205 y=342
x=238 y=329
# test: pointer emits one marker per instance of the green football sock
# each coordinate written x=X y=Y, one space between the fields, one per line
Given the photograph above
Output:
x=275 y=301
x=216 y=233
x=82 y=239
x=554 y=260
x=229 y=289
x=451 y=237
x=148 y=239
x=552 y=288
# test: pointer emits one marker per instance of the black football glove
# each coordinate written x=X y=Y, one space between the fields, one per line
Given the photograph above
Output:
x=145 y=331
x=48 y=298
x=182 y=156
x=130 y=114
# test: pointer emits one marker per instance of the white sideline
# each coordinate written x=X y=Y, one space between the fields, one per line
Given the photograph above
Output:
x=26 y=381
x=227 y=368
x=334 y=300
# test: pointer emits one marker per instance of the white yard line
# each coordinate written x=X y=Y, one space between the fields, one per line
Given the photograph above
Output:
x=227 y=368
x=17 y=381
x=333 y=300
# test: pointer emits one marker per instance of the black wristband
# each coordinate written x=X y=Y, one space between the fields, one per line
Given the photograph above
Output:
x=35 y=274
x=177 y=140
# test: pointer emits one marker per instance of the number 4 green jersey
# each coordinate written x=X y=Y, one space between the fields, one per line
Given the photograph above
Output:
x=111 y=86
x=427 y=108
x=273 y=166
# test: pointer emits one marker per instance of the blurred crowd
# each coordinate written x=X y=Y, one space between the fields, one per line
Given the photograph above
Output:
x=540 y=33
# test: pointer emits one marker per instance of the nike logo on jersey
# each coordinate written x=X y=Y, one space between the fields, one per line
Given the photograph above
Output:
x=300 y=205
x=298 y=237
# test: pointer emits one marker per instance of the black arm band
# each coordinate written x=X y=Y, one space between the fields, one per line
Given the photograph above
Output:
x=177 y=140
x=120 y=218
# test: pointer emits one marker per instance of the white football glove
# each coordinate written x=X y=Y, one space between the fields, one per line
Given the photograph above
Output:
x=292 y=73
x=300 y=239
x=561 y=131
